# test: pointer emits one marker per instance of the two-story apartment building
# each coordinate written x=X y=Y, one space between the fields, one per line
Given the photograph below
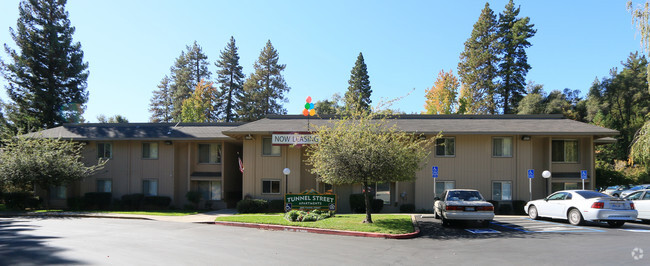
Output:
x=490 y=153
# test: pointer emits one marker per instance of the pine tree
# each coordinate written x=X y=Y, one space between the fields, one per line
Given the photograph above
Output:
x=357 y=98
x=188 y=70
x=513 y=34
x=231 y=79
x=477 y=66
x=265 y=88
x=47 y=76
x=441 y=98
x=161 y=103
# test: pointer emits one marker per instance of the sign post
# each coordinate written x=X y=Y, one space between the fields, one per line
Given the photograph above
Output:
x=434 y=174
x=531 y=175
x=583 y=176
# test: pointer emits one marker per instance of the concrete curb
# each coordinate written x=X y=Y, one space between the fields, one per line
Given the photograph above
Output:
x=326 y=231
x=71 y=216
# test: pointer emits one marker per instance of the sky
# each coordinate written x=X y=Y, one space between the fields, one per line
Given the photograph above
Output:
x=131 y=44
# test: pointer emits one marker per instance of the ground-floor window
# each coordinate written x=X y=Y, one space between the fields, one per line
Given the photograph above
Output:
x=104 y=185
x=210 y=190
x=502 y=190
x=325 y=188
x=557 y=186
x=441 y=186
x=150 y=187
x=58 y=192
x=382 y=192
x=270 y=186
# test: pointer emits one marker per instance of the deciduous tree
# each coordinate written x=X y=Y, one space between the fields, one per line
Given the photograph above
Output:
x=365 y=149
x=47 y=74
x=441 y=98
x=199 y=108
x=112 y=119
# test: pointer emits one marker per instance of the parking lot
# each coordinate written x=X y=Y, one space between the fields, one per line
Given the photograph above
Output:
x=519 y=225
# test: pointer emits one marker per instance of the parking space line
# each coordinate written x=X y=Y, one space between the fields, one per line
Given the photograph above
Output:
x=526 y=224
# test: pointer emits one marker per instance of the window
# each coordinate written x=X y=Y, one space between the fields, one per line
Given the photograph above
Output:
x=270 y=186
x=382 y=192
x=210 y=153
x=150 y=150
x=635 y=195
x=104 y=185
x=326 y=188
x=210 y=190
x=268 y=149
x=150 y=187
x=557 y=186
x=441 y=186
x=445 y=147
x=104 y=150
x=502 y=190
x=646 y=196
x=502 y=147
x=564 y=151
x=58 y=192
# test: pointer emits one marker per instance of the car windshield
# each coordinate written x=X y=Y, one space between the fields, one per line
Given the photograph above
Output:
x=591 y=194
x=464 y=196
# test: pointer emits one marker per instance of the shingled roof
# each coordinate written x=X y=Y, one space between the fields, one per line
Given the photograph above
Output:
x=140 y=131
x=447 y=124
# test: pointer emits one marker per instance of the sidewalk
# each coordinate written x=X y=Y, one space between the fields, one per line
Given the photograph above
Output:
x=205 y=217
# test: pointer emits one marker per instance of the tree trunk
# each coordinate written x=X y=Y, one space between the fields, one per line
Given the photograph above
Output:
x=367 y=198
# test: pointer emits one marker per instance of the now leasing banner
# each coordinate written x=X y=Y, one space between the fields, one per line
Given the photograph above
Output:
x=294 y=139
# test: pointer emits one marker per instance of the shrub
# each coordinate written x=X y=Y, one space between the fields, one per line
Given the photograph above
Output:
x=252 y=206
x=504 y=209
x=407 y=208
x=97 y=200
x=76 y=203
x=495 y=204
x=193 y=197
x=518 y=207
x=276 y=206
x=376 y=205
x=357 y=203
x=21 y=200
x=303 y=216
x=292 y=215
x=156 y=202
x=424 y=211
x=132 y=202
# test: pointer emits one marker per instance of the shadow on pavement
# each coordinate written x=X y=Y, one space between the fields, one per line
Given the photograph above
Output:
x=17 y=247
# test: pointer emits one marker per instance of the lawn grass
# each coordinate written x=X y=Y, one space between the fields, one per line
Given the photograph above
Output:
x=383 y=223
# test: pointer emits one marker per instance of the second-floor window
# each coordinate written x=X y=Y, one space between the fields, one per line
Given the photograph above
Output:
x=446 y=147
x=502 y=147
x=104 y=150
x=150 y=150
x=210 y=153
x=268 y=149
x=564 y=151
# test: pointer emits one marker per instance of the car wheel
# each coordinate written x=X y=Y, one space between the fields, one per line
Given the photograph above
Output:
x=532 y=212
x=616 y=224
x=445 y=221
x=435 y=215
x=575 y=217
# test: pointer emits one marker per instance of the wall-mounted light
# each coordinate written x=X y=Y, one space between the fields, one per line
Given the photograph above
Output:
x=248 y=137
x=168 y=142
x=422 y=137
x=525 y=137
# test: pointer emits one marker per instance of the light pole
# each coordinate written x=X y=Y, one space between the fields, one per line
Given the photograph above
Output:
x=286 y=172
x=546 y=174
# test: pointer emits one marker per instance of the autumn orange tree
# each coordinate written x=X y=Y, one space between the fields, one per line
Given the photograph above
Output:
x=199 y=108
x=441 y=98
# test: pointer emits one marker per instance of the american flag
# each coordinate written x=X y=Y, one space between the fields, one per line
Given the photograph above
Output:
x=241 y=165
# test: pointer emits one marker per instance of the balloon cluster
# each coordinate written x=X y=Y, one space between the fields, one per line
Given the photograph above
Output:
x=309 y=108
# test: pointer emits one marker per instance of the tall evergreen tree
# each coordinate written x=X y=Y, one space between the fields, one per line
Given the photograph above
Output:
x=513 y=34
x=161 y=103
x=477 y=66
x=188 y=70
x=231 y=79
x=357 y=98
x=47 y=76
x=265 y=88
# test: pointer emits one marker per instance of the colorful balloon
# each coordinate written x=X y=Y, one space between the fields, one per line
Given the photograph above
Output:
x=308 y=99
x=307 y=106
x=305 y=112
x=312 y=112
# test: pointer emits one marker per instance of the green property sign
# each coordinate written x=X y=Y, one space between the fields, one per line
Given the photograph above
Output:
x=310 y=201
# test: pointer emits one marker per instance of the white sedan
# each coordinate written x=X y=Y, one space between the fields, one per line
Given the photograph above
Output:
x=463 y=204
x=578 y=206
x=641 y=201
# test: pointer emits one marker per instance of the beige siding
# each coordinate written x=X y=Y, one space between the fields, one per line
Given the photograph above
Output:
x=181 y=177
